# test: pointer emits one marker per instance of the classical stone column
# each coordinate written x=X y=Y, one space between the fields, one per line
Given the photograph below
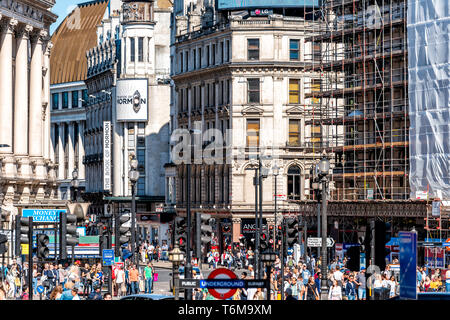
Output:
x=61 y=164
x=81 y=169
x=71 y=148
x=6 y=85
x=21 y=92
x=48 y=148
x=21 y=108
x=35 y=133
x=236 y=228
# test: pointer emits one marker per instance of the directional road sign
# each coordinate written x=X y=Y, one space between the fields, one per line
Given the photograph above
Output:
x=108 y=257
x=317 y=242
x=40 y=289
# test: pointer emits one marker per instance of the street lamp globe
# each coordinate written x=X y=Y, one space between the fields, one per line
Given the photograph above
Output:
x=134 y=175
x=134 y=164
x=275 y=170
x=75 y=182
x=75 y=174
x=176 y=255
x=324 y=166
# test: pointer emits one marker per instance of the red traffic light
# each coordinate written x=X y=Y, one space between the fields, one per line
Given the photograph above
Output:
x=279 y=228
x=271 y=227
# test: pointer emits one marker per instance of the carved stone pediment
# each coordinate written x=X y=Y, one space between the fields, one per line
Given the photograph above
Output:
x=252 y=111
x=294 y=110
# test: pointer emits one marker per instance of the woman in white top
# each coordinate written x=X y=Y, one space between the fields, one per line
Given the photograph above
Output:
x=393 y=285
x=378 y=282
x=335 y=292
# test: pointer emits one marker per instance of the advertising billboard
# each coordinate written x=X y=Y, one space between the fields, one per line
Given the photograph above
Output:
x=43 y=215
x=107 y=155
x=243 y=4
x=132 y=100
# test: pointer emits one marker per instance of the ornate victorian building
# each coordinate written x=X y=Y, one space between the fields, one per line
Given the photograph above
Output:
x=27 y=173
x=244 y=74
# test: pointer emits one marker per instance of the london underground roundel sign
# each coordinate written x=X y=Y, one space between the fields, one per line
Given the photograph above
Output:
x=218 y=274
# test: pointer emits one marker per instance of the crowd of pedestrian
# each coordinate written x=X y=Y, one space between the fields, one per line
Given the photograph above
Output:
x=302 y=278
x=59 y=282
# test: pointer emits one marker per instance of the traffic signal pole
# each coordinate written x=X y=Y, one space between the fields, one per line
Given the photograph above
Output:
x=30 y=259
x=260 y=213
x=188 y=269
x=257 y=227
x=283 y=237
x=198 y=238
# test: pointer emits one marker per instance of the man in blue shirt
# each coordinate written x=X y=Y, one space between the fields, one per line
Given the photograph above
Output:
x=305 y=275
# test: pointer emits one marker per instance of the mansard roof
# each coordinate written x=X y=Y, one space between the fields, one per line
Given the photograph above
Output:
x=76 y=34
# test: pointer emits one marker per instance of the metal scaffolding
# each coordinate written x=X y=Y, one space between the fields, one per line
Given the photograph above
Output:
x=360 y=99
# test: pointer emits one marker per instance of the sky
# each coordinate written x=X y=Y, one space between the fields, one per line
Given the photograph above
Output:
x=62 y=8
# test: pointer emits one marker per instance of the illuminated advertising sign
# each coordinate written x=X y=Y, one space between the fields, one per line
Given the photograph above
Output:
x=243 y=4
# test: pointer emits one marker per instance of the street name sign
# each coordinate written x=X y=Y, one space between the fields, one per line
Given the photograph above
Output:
x=222 y=284
x=317 y=242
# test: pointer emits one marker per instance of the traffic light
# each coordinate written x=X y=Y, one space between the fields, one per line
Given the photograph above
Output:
x=180 y=233
x=205 y=228
x=271 y=236
x=3 y=217
x=68 y=233
x=3 y=241
x=387 y=238
x=24 y=232
x=103 y=237
x=380 y=245
x=122 y=232
x=353 y=254
x=42 y=246
x=279 y=235
x=263 y=240
x=292 y=231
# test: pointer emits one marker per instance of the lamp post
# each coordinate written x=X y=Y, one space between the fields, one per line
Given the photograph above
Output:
x=324 y=168
x=257 y=232
x=315 y=186
x=176 y=257
x=75 y=185
x=268 y=258
x=188 y=268
x=134 y=177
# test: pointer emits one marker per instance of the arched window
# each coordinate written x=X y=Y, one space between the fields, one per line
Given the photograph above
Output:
x=294 y=183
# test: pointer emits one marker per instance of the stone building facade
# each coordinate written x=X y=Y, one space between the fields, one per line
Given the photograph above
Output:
x=133 y=45
x=245 y=75
x=27 y=173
